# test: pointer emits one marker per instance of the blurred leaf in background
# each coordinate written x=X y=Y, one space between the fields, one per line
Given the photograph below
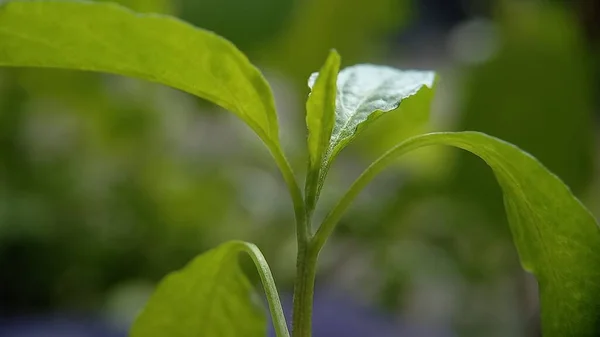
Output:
x=248 y=24
x=537 y=93
x=357 y=30
x=146 y=6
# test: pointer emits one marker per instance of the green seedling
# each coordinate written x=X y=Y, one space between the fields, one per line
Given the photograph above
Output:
x=557 y=238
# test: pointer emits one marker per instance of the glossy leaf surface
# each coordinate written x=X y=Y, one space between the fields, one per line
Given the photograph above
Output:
x=364 y=93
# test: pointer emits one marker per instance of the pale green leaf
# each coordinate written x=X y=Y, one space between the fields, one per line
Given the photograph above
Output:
x=211 y=297
x=109 y=38
x=364 y=93
x=557 y=238
x=320 y=117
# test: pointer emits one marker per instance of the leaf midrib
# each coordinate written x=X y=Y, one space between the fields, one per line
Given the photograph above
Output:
x=217 y=276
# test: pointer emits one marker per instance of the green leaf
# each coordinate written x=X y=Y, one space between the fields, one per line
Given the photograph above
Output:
x=320 y=117
x=364 y=93
x=320 y=109
x=109 y=38
x=557 y=238
x=211 y=297
x=205 y=298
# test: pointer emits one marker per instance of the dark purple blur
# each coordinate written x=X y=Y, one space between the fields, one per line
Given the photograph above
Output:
x=334 y=316
x=57 y=326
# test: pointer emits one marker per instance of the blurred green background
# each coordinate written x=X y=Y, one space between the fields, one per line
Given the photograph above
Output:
x=109 y=183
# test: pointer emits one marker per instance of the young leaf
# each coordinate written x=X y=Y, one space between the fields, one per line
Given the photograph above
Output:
x=211 y=297
x=109 y=38
x=557 y=238
x=365 y=92
x=320 y=116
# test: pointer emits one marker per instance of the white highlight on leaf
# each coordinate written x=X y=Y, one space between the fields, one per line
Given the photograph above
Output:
x=364 y=92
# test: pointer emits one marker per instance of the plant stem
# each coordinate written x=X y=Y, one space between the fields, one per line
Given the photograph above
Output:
x=334 y=216
x=293 y=188
x=304 y=288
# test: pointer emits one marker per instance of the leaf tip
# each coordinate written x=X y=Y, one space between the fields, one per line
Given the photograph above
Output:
x=332 y=63
x=333 y=55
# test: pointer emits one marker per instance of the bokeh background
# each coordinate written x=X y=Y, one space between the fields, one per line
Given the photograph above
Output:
x=108 y=183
